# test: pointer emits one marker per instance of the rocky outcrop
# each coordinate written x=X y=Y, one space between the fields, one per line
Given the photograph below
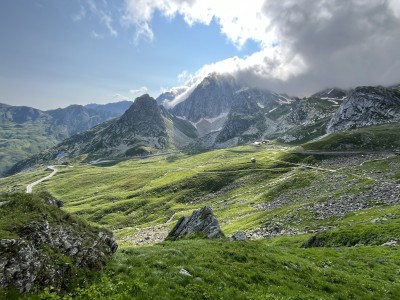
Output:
x=367 y=106
x=49 y=255
x=51 y=251
x=201 y=222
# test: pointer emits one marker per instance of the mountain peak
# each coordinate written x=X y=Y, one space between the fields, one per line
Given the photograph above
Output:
x=142 y=106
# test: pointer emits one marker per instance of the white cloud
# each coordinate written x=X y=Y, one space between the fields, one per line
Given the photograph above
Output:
x=238 y=23
x=96 y=35
x=139 y=92
x=119 y=97
x=183 y=76
x=79 y=16
x=103 y=14
x=305 y=45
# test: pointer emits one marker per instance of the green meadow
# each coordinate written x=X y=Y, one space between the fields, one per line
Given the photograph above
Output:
x=143 y=194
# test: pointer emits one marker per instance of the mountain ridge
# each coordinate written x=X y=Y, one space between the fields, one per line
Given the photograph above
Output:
x=241 y=115
x=25 y=131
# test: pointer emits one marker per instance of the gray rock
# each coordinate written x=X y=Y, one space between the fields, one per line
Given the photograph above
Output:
x=33 y=260
x=392 y=243
x=238 y=236
x=201 y=221
x=367 y=106
x=185 y=273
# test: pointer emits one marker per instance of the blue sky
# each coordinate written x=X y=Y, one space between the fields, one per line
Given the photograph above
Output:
x=49 y=59
x=58 y=52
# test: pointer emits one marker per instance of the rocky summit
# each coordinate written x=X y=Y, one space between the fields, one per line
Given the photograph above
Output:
x=367 y=106
x=201 y=222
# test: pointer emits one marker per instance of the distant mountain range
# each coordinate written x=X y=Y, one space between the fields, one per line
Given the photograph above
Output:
x=25 y=131
x=220 y=113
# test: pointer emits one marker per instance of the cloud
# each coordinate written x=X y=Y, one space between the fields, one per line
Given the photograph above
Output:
x=306 y=45
x=138 y=92
x=236 y=23
x=103 y=14
x=183 y=77
x=79 y=16
x=96 y=35
x=119 y=97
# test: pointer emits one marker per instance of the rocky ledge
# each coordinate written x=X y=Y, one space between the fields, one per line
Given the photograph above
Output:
x=51 y=249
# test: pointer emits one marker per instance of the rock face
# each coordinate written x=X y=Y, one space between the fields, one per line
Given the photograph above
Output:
x=141 y=125
x=50 y=252
x=209 y=99
x=201 y=222
x=29 y=263
x=367 y=106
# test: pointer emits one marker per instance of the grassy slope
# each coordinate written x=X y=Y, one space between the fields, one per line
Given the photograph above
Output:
x=18 y=142
x=140 y=193
x=367 y=138
x=267 y=269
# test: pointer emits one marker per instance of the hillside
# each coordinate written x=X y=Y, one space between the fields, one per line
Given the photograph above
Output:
x=281 y=201
x=370 y=138
x=25 y=131
x=144 y=129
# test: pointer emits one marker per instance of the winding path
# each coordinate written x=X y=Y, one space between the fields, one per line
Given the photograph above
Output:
x=30 y=186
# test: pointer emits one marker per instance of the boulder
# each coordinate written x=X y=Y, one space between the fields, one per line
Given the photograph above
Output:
x=201 y=222
x=392 y=243
x=238 y=236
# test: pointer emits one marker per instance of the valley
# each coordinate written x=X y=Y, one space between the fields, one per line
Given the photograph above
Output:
x=25 y=131
x=311 y=185
x=200 y=150
x=348 y=202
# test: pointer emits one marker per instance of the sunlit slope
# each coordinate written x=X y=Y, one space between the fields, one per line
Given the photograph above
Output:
x=277 y=195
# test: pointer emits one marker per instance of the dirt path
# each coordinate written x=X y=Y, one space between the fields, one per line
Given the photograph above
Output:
x=30 y=186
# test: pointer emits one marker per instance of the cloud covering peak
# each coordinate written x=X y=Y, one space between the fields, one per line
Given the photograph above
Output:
x=305 y=45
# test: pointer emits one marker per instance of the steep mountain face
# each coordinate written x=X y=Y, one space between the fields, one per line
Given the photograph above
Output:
x=217 y=100
x=257 y=115
x=246 y=119
x=211 y=98
x=367 y=106
x=25 y=131
x=141 y=125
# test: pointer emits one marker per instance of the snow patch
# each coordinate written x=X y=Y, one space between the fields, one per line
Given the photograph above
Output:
x=284 y=100
x=273 y=109
x=260 y=105
x=212 y=120
x=242 y=90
